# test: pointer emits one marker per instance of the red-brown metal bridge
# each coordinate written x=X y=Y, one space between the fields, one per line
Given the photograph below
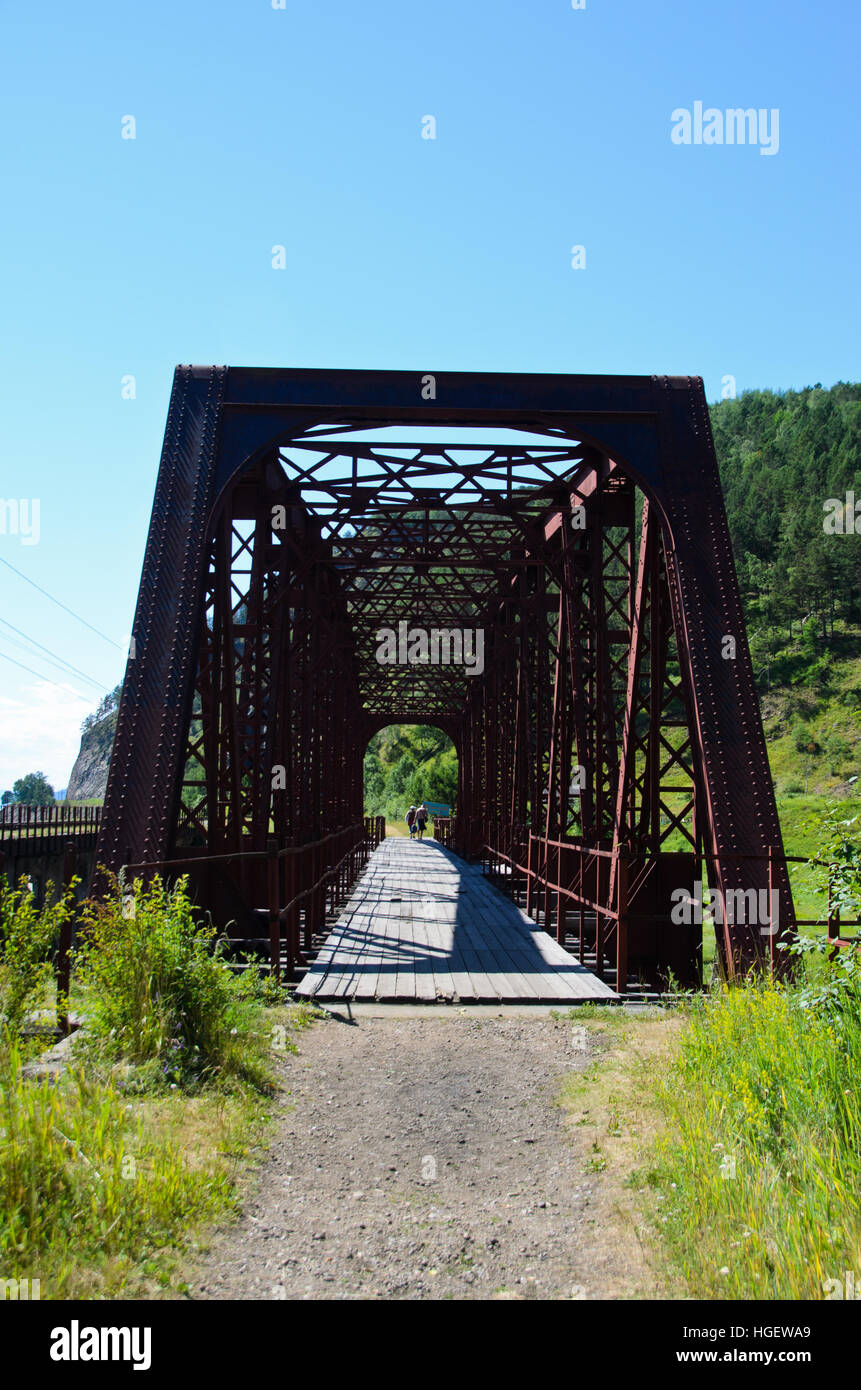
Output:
x=611 y=751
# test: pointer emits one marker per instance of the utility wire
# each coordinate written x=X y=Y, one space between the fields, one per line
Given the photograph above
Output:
x=55 y=659
x=71 y=611
x=4 y=657
x=22 y=646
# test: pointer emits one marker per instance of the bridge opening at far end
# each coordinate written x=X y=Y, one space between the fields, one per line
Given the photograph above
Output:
x=410 y=779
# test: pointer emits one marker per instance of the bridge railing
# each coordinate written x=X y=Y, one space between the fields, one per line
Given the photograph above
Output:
x=444 y=831
x=303 y=882
x=34 y=824
x=375 y=829
x=559 y=874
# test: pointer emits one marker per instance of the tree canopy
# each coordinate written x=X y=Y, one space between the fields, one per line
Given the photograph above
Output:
x=33 y=790
x=406 y=764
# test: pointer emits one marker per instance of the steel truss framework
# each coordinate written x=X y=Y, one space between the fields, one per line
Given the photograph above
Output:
x=576 y=523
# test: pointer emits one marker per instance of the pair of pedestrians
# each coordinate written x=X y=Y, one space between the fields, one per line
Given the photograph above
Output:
x=417 y=819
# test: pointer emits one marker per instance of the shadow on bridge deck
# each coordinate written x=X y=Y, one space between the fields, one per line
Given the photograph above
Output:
x=422 y=925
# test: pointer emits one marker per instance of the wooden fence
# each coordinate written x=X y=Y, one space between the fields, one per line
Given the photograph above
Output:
x=32 y=824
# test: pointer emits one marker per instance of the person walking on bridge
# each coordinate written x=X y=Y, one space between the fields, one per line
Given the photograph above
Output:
x=422 y=819
x=410 y=819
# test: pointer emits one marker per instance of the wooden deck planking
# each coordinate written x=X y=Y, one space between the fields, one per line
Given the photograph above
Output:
x=441 y=937
x=555 y=982
x=423 y=925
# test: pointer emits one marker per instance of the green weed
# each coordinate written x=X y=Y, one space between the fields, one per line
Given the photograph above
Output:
x=759 y=1169
x=160 y=995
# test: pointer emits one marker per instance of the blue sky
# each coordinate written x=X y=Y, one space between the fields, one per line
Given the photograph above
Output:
x=302 y=127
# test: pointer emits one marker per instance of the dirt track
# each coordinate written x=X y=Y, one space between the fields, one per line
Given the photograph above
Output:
x=428 y=1157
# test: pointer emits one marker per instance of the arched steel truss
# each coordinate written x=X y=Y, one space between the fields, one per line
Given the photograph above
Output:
x=577 y=523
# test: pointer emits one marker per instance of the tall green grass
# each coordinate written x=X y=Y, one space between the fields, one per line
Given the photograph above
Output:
x=80 y=1184
x=104 y=1168
x=27 y=934
x=758 y=1172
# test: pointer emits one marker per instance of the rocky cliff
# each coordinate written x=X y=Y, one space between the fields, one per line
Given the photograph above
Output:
x=90 y=774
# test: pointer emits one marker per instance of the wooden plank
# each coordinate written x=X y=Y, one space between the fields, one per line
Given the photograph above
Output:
x=482 y=985
x=425 y=987
x=454 y=977
x=504 y=971
x=405 y=980
x=441 y=937
x=539 y=962
x=373 y=960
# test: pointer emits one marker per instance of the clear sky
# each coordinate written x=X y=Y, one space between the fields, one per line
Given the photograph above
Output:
x=301 y=127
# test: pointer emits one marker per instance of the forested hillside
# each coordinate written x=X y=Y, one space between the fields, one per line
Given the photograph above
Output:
x=783 y=459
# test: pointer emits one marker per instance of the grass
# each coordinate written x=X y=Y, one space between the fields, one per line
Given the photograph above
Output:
x=104 y=1188
x=829 y=710
x=87 y=1193
x=756 y=1178
x=146 y=1134
x=800 y=836
x=613 y=1106
x=725 y=1136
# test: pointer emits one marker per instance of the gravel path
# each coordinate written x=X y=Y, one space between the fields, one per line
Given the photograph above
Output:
x=428 y=1158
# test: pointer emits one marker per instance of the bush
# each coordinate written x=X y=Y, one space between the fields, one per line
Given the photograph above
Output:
x=161 y=995
x=837 y=751
x=26 y=938
x=804 y=738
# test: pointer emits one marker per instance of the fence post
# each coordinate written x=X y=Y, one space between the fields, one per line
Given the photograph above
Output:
x=833 y=923
x=770 y=915
x=318 y=897
x=291 y=936
x=306 y=866
x=600 y=934
x=548 y=883
x=64 y=958
x=561 y=902
x=274 y=921
x=622 y=922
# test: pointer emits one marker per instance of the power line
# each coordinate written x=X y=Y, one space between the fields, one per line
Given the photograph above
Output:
x=71 y=611
x=55 y=659
x=50 y=660
x=4 y=657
